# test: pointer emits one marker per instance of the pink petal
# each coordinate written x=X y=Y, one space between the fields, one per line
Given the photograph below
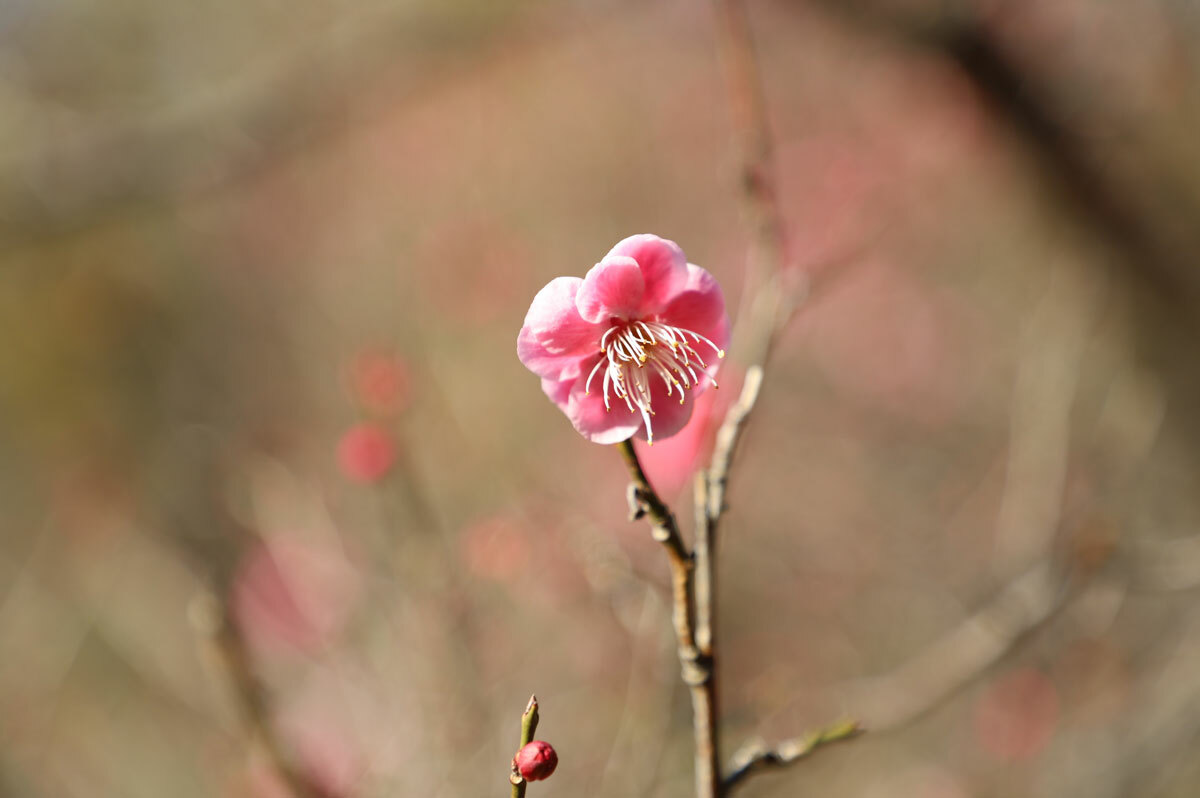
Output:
x=595 y=422
x=612 y=288
x=663 y=266
x=558 y=390
x=700 y=307
x=669 y=415
x=554 y=336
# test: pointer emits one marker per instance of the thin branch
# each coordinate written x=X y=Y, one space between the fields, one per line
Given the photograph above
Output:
x=770 y=299
x=222 y=635
x=756 y=757
x=709 y=490
x=772 y=293
x=696 y=668
x=728 y=437
x=529 y=722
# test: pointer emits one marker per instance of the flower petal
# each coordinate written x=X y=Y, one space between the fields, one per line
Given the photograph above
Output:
x=594 y=421
x=699 y=307
x=558 y=390
x=669 y=415
x=663 y=266
x=554 y=335
x=612 y=288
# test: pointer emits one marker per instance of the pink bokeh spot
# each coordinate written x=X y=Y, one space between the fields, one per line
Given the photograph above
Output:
x=366 y=453
x=884 y=338
x=626 y=351
x=291 y=595
x=1016 y=716
x=379 y=381
x=495 y=548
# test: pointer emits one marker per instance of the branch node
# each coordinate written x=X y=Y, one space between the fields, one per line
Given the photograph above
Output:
x=637 y=504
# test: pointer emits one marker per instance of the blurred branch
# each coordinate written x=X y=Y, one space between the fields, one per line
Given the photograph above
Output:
x=964 y=652
x=636 y=749
x=755 y=756
x=1159 y=730
x=221 y=634
x=1027 y=523
x=1049 y=364
x=1021 y=99
x=1164 y=565
x=529 y=722
x=1030 y=513
x=213 y=135
x=767 y=302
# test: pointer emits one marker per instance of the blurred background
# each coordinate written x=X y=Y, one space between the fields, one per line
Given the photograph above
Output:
x=283 y=514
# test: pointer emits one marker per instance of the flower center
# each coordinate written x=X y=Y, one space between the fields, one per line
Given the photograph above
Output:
x=637 y=350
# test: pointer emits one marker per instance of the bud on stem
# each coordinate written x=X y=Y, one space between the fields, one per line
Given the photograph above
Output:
x=536 y=760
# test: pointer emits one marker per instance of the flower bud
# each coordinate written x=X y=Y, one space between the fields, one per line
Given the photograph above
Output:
x=536 y=761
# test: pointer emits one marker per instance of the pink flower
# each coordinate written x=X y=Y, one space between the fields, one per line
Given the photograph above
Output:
x=621 y=350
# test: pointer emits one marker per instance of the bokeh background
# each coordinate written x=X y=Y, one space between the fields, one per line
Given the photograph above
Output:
x=276 y=489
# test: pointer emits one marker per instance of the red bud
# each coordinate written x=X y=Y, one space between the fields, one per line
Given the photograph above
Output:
x=536 y=761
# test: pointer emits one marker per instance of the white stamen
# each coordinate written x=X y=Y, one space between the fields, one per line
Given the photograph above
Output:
x=628 y=348
x=587 y=386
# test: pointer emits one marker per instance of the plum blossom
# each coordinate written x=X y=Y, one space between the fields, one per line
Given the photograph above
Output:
x=625 y=350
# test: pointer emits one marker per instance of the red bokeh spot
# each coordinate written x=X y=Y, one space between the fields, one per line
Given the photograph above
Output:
x=366 y=452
